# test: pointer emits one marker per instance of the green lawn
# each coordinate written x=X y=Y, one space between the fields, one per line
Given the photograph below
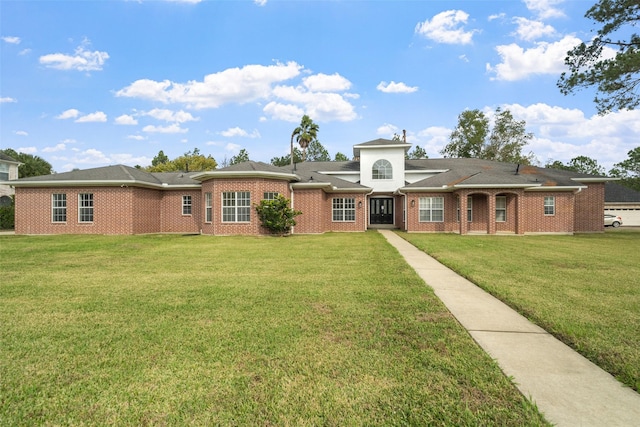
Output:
x=585 y=289
x=333 y=329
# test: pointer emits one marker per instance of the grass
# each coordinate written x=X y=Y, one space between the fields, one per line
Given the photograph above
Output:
x=170 y=330
x=584 y=289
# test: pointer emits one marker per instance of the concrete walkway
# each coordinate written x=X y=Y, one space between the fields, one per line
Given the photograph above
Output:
x=566 y=387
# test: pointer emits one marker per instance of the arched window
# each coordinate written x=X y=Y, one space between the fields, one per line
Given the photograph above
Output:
x=382 y=170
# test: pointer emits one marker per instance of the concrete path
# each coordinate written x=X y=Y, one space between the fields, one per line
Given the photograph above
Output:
x=566 y=387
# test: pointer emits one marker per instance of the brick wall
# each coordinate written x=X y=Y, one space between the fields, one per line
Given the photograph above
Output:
x=535 y=221
x=589 y=209
x=171 y=218
x=146 y=211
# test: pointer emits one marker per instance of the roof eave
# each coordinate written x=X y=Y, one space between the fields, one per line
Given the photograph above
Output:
x=102 y=183
x=245 y=174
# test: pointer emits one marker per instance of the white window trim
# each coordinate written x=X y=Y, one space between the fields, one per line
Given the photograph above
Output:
x=235 y=207
x=187 y=202
x=81 y=208
x=551 y=205
x=422 y=206
x=501 y=209
x=388 y=167
x=55 y=207
x=344 y=209
x=208 y=207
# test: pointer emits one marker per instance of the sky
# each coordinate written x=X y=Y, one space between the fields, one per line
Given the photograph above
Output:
x=101 y=82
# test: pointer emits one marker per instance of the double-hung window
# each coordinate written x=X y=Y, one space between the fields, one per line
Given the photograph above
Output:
x=469 y=209
x=85 y=207
x=186 y=205
x=4 y=172
x=208 y=207
x=59 y=207
x=236 y=206
x=501 y=208
x=549 y=205
x=431 y=209
x=343 y=210
x=270 y=195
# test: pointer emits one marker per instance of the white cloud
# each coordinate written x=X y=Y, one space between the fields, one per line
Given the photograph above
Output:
x=7 y=99
x=185 y=1
x=81 y=60
x=57 y=147
x=286 y=112
x=320 y=106
x=11 y=39
x=326 y=83
x=125 y=119
x=27 y=150
x=136 y=137
x=387 y=130
x=260 y=2
x=545 y=58
x=69 y=114
x=238 y=132
x=232 y=147
x=447 y=27
x=394 y=87
x=496 y=16
x=173 y=128
x=532 y=30
x=545 y=8
x=20 y=133
x=233 y=85
x=98 y=116
x=171 y=116
x=24 y=52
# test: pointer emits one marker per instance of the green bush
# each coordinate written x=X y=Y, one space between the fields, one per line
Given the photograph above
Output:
x=276 y=215
x=7 y=217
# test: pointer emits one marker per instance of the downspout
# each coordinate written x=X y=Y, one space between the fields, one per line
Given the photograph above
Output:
x=292 y=207
x=366 y=209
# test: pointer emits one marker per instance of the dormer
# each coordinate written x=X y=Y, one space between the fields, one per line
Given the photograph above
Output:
x=382 y=163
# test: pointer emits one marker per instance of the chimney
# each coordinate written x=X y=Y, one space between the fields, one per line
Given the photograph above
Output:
x=404 y=136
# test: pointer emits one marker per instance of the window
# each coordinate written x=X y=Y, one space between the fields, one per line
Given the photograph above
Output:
x=344 y=210
x=549 y=205
x=382 y=170
x=85 y=207
x=236 y=206
x=270 y=195
x=59 y=208
x=186 y=205
x=501 y=208
x=469 y=209
x=208 y=207
x=431 y=209
x=4 y=172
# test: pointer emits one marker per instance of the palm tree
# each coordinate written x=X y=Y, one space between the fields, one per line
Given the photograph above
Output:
x=304 y=135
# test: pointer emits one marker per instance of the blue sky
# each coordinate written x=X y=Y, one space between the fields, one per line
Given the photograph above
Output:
x=92 y=83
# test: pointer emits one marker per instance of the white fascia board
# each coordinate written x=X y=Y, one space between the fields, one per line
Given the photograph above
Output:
x=89 y=183
x=420 y=171
x=443 y=189
x=373 y=147
x=349 y=190
x=603 y=179
x=311 y=185
x=557 y=188
x=245 y=174
x=525 y=186
x=339 y=172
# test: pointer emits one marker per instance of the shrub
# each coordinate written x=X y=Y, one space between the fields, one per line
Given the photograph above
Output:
x=276 y=215
x=7 y=216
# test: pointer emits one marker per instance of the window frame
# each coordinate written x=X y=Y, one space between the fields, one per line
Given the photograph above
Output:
x=469 y=209
x=549 y=208
x=270 y=195
x=428 y=205
x=382 y=169
x=187 y=205
x=236 y=209
x=85 y=208
x=59 y=208
x=208 y=207
x=501 y=209
x=4 y=169
x=343 y=209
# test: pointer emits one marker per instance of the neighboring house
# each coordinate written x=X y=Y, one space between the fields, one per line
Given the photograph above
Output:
x=378 y=189
x=622 y=201
x=8 y=171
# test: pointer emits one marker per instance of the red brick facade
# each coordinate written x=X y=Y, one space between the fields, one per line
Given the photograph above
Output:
x=138 y=210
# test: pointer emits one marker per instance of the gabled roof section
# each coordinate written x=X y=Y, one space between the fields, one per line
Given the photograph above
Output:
x=479 y=173
x=379 y=143
x=616 y=193
x=8 y=159
x=321 y=175
x=248 y=169
x=109 y=176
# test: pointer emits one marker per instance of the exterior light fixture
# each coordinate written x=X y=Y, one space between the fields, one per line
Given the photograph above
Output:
x=413 y=203
x=359 y=204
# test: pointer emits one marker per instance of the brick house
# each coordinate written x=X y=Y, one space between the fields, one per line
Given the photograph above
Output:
x=378 y=189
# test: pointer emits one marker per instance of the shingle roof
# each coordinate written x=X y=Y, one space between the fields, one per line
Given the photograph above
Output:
x=7 y=158
x=616 y=193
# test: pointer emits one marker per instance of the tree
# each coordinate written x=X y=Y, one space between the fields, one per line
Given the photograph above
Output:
x=305 y=134
x=628 y=170
x=468 y=138
x=417 y=153
x=159 y=159
x=191 y=161
x=276 y=215
x=582 y=164
x=616 y=78
x=507 y=139
x=242 y=156
x=317 y=153
x=472 y=138
x=286 y=160
x=31 y=165
x=340 y=157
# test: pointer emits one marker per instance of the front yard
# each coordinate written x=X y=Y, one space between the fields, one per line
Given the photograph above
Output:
x=584 y=289
x=169 y=330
